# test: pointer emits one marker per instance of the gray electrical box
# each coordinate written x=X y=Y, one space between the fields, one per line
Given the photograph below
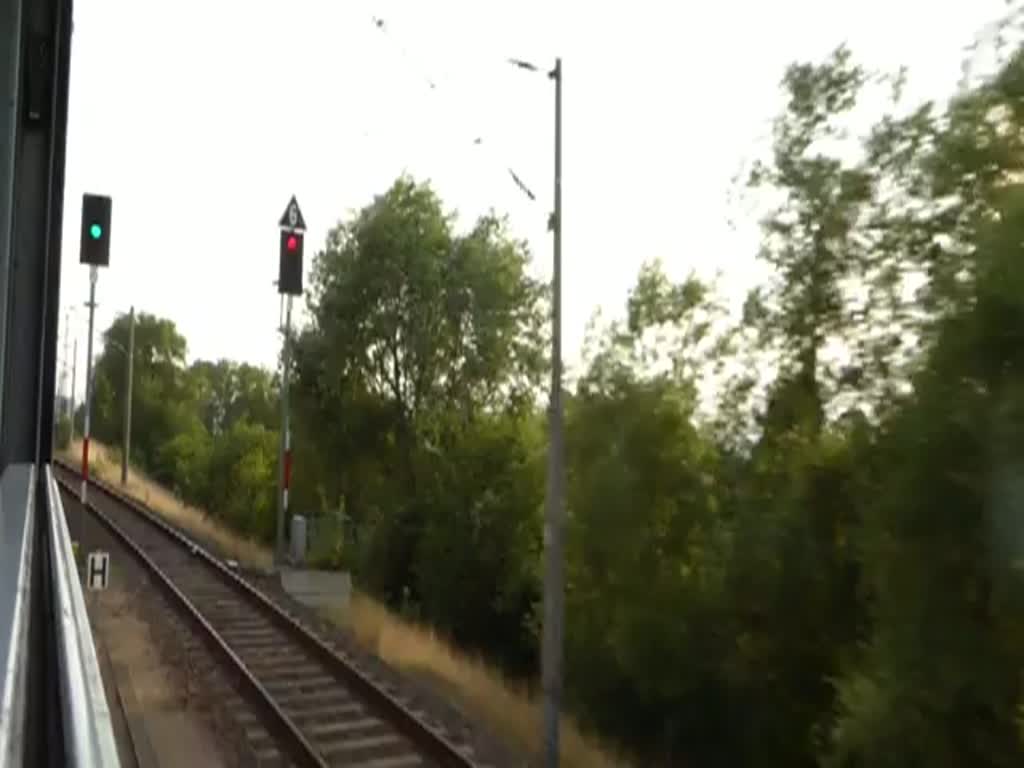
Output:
x=298 y=539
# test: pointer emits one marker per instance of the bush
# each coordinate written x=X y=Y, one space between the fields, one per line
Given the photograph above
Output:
x=326 y=544
x=184 y=463
x=242 y=479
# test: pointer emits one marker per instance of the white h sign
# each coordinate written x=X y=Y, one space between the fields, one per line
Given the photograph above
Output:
x=97 y=570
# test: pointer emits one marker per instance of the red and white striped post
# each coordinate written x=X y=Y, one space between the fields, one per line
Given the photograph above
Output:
x=287 y=469
x=284 y=459
x=85 y=462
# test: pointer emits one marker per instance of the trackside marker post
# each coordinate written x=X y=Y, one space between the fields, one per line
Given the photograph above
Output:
x=85 y=466
x=97 y=570
x=287 y=466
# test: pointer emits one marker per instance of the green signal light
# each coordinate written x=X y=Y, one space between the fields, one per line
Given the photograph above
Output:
x=95 y=231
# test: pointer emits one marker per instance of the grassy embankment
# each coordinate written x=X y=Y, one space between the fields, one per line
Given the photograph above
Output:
x=474 y=685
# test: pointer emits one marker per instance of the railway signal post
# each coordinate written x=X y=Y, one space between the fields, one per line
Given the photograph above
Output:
x=94 y=250
x=289 y=284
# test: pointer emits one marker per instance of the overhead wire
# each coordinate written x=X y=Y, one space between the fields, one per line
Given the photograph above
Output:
x=479 y=139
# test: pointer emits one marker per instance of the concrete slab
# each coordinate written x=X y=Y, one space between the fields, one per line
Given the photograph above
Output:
x=318 y=588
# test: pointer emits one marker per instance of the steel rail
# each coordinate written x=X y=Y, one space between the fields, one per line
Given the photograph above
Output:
x=294 y=743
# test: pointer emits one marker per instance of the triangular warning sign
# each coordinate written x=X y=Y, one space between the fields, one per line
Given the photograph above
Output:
x=292 y=217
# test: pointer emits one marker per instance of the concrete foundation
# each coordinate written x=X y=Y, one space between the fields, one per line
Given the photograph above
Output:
x=318 y=589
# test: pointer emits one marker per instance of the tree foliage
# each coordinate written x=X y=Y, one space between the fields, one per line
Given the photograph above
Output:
x=416 y=378
x=207 y=430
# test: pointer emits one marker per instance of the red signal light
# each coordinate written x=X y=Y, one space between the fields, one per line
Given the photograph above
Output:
x=290 y=262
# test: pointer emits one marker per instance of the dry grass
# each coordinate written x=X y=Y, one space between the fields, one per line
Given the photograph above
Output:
x=246 y=551
x=509 y=710
x=477 y=688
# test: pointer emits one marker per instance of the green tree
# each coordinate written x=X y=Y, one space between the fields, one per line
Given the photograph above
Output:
x=160 y=391
x=810 y=239
x=648 y=547
x=185 y=460
x=790 y=493
x=476 y=562
x=416 y=332
x=241 y=479
x=229 y=392
x=938 y=680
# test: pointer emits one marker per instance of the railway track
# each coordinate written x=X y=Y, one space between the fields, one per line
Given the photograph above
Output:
x=314 y=707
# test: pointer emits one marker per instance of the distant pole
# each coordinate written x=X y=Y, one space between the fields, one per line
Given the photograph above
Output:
x=67 y=342
x=284 y=458
x=63 y=375
x=94 y=273
x=127 y=437
x=551 y=652
x=74 y=371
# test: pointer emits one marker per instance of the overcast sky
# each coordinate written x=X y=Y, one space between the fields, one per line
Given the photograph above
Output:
x=201 y=117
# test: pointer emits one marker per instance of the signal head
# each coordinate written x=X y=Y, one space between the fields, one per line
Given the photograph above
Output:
x=95 y=242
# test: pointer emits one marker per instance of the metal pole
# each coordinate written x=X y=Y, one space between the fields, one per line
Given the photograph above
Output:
x=551 y=652
x=127 y=436
x=74 y=371
x=284 y=456
x=58 y=390
x=68 y=363
x=62 y=411
x=94 y=274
